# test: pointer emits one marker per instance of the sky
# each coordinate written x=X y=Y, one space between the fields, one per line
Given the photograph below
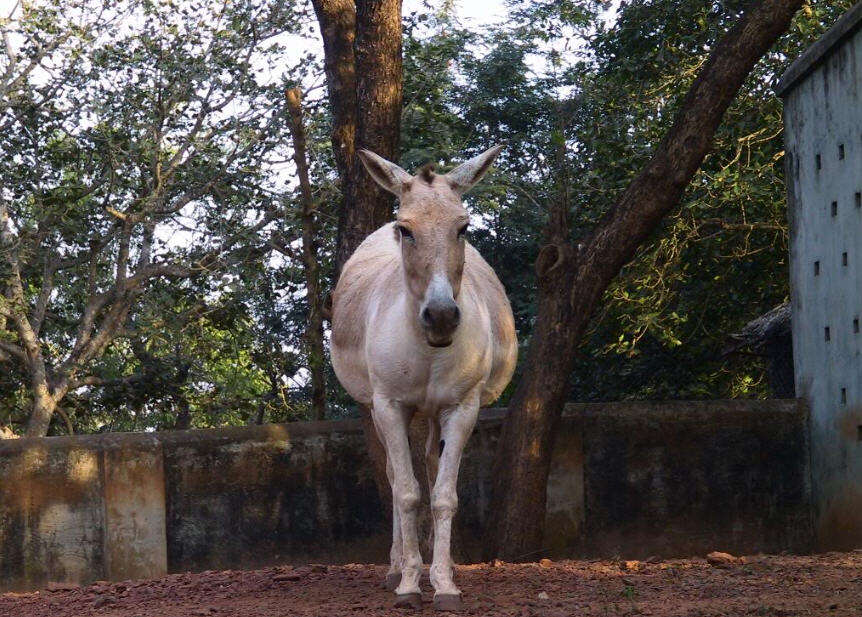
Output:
x=475 y=14
x=478 y=12
x=472 y=13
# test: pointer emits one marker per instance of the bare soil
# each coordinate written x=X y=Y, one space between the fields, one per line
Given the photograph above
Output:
x=829 y=584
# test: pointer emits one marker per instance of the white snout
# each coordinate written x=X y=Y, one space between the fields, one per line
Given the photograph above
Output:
x=439 y=313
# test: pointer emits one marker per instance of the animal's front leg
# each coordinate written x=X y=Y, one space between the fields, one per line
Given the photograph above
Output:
x=456 y=425
x=432 y=459
x=392 y=421
x=393 y=576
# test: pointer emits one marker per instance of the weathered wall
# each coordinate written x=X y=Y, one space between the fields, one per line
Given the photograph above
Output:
x=81 y=508
x=244 y=497
x=687 y=478
x=628 y=479
x=822 y=116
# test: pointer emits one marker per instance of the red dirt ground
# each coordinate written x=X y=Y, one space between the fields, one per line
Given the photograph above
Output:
x=773 y=586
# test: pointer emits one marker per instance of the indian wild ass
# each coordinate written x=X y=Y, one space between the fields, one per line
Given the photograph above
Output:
x=421 y=325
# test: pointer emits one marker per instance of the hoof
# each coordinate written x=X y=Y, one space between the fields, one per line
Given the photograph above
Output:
x=393 y=579
x=448 y=602
x=408 y=600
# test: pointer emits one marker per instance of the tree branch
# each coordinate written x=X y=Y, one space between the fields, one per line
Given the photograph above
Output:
x=743 y=226
x=9 y=351
x=38 y=315
x=659 y=187
x=565 y=308
x=314 y=321
x=70 y=430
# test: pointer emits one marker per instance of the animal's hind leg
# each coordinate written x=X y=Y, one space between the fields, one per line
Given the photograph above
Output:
x=432 y=459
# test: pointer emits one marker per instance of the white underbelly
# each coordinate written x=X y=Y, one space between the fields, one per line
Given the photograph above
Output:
x=397 y=363
x=429 y=379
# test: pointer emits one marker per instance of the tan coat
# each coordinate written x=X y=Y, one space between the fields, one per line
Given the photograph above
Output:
x=375 y=340
x=421 y=324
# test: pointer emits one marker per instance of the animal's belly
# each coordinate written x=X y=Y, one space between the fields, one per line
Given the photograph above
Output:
x=432 y=381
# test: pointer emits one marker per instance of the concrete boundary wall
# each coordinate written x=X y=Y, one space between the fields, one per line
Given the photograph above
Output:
x=627 y=479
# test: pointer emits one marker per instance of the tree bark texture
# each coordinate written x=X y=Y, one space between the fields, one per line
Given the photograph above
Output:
x=337 y=20
x=362 y=59
x=378 y=102
x=572 y=282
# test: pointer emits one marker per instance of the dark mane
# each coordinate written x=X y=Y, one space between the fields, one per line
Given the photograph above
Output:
x=426 y=172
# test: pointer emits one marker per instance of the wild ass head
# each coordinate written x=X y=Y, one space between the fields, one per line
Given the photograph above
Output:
x=430 y=226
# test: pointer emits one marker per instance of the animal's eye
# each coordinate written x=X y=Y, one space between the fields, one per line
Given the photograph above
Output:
x=462 y=232
x=406 y=233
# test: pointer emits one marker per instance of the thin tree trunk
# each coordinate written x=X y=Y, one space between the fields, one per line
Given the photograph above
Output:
x=30 y=349
x=314 y=325
x=184 y=415
x=41 y=412
x=571 y=284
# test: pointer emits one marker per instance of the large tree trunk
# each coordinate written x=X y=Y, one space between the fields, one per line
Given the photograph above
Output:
x=337 y=19
x=572 y=283
x=378 y=105
x=378 y=101
x=362 y=58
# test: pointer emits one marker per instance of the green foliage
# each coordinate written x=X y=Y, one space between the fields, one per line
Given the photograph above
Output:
x=223 y=345
x=721 y=260
x=716 y=263
x=142 y=170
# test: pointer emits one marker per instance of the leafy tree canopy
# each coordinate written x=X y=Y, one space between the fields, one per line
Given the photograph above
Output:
x=150 y=215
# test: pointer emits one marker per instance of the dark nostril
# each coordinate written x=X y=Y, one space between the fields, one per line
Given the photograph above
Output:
x=441 y=316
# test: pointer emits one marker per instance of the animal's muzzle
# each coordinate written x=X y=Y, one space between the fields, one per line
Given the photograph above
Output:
x=440 y=319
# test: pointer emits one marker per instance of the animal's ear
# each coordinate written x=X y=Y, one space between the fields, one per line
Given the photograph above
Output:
x=388 y=175
x=466 y=175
